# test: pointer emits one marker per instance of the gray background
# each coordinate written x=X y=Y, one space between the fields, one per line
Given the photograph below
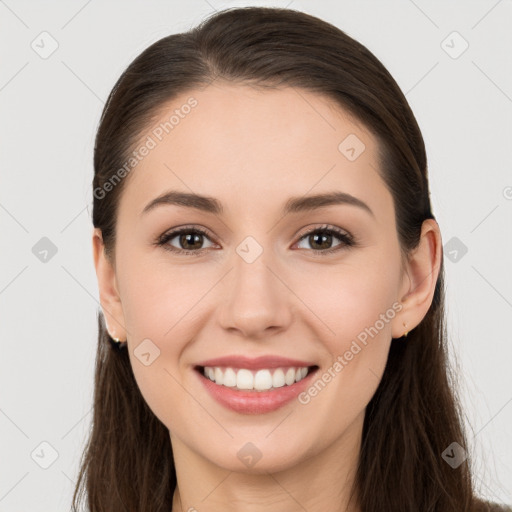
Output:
x=50 y=111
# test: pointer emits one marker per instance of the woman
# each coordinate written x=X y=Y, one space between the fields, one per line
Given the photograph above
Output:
x=271 y=279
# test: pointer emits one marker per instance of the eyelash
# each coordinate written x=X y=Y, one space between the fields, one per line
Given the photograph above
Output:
x=347 y=240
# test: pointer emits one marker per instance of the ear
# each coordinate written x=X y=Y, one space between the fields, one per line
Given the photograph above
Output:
x=107 y=285
x=422 y=270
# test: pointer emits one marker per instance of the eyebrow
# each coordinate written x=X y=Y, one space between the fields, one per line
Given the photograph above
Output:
x=293 y=205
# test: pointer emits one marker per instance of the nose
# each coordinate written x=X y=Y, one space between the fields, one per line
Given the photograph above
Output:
x=257 y=301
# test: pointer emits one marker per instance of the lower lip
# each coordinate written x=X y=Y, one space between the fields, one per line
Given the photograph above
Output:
x=255 y=402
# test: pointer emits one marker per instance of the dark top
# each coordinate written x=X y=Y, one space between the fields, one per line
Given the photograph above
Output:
x=487 y=506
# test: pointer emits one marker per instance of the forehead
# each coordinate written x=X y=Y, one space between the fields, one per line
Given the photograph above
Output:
x=237 y=141
x=246 y=117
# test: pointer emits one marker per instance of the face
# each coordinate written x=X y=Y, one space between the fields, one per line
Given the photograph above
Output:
x=317 y=285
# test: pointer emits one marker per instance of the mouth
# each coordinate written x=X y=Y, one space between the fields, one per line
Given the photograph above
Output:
x=255 y=391
x=252 y=380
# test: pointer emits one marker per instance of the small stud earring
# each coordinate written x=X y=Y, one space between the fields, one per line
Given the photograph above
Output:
x=406 y=332
x=116 y=342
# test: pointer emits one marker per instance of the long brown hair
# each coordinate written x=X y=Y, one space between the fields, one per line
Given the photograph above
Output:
x=415 y=414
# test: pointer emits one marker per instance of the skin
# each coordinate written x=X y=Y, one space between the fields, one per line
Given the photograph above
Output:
x=252 y=150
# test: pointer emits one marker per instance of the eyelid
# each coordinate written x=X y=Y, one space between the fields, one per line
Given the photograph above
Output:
x=324 y=227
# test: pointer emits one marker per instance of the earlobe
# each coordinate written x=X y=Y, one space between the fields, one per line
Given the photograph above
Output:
x=107 y=285
x=422 y=271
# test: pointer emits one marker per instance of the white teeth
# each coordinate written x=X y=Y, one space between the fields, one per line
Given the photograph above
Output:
x=278 y=379
x=229 y=378
x=244 y=379
x=290 y=376
x=219 y=376
x=260 y=380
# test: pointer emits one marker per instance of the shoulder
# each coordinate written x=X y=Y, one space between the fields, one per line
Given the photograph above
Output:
x=487 y=506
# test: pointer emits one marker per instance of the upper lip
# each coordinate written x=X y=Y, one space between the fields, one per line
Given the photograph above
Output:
x=256 y=363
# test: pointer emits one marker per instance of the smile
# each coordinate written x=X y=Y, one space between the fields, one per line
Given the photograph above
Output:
x=262 y=380
x=259 y=391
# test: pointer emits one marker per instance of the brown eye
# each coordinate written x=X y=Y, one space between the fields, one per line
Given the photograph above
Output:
x=188 y=240
x=321 y=239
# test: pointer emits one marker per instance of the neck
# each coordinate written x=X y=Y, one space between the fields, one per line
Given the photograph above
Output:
x=321 y=482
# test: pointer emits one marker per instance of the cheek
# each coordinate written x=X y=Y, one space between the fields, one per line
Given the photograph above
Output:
x=158 y=306
x=351 y=300
x=157 y=297
x=156 y=323
x=360 y=316
x=356 y=307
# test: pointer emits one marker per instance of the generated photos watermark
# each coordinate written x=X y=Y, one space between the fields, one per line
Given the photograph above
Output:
x=343 y=360
x=151 y=142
